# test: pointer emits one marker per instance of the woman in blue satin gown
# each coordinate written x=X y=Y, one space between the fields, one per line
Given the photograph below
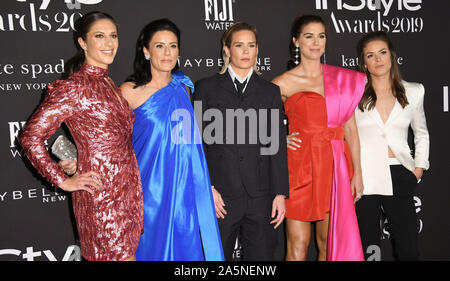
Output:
x=179 y=215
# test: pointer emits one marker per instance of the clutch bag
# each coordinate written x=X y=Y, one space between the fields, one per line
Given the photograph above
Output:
x=64 y=149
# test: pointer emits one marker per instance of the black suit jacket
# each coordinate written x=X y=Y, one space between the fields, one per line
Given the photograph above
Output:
x=236 y=167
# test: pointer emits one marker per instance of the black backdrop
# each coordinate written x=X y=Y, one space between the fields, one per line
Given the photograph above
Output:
x=36 y=222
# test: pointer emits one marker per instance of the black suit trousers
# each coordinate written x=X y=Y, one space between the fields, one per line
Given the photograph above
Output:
x=250 y=218
x=401 y=215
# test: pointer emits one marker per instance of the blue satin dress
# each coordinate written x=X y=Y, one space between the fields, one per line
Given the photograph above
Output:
x=179 y=217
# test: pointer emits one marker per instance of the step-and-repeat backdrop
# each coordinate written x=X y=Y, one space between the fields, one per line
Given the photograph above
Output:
x=36 y=221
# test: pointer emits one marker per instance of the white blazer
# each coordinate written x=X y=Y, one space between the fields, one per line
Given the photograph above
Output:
x=375 y=137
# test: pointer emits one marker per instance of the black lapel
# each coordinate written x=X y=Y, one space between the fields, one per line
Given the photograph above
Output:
x=227 y=84
x=252 y=86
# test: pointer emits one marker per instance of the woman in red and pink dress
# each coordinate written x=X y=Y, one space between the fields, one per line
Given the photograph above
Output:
x=323 y=156
x=107 y=193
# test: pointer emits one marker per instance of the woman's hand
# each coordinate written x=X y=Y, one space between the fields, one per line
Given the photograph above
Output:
x=293 y=142
x=69 y=166
x=418 y=172
x=357 y=187
x=218 y=203
x=278 y=209
x=82 y=182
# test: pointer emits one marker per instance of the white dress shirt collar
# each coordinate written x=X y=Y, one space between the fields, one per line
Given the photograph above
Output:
x=234 y=75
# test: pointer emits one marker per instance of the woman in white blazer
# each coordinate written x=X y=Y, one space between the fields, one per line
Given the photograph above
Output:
x=390 y=173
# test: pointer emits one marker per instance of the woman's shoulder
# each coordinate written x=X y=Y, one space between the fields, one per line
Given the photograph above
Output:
x=283 y=77
x=129 y=91
x=209 y=81
x=286 y=80
x=414 y=91
x=183 y=79
x=413 y=86
x=71 y=85
x=180 y=75
x=128 y=87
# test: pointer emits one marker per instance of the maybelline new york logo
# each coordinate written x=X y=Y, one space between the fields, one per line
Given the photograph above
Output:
x=37 y=17
x=218 y=14
x=262 y=64
x=383 y=19
x=43 y=194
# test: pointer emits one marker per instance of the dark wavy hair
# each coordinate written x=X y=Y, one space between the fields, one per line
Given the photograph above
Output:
x=296 y=29
x=82 y=27
x=141 y=67
x=369 y=99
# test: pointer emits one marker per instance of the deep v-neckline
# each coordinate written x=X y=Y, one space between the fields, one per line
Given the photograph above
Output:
x=388 y=116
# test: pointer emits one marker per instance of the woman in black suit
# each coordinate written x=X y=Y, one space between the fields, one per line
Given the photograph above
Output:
x=248 y=171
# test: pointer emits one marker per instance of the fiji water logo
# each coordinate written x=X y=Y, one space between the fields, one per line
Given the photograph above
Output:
x=218 y=14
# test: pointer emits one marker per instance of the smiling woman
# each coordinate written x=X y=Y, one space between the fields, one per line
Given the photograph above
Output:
x=107 y=194
x=178 y=209
x=322 y=133
x=100 y=44
x=96 y=41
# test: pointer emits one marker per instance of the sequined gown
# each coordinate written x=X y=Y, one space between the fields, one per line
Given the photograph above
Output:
x=109 y=222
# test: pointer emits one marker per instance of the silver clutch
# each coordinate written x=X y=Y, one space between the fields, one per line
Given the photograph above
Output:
x=64 y=149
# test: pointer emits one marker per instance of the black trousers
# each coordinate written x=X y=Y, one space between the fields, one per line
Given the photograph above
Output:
x=400 y=212
x=250 y=218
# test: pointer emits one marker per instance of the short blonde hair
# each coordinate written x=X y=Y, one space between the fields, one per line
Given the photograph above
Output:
x=226 y=41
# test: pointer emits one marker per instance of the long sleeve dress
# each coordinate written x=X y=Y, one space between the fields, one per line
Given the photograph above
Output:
x=109 y=222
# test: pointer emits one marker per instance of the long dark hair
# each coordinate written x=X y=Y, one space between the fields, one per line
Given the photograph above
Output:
x=369 y=99
x=82 y=27
x=141 y=67
x=296 y=29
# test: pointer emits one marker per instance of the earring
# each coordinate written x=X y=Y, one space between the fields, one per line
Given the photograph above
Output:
x=147 y=57
x=325 y=57
x=297 y=55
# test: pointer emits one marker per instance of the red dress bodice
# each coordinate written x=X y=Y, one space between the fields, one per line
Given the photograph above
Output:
x=311 y=165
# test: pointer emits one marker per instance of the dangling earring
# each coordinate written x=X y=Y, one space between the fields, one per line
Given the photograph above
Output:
x=297 y=55
x=325 y=57
x=147 y=57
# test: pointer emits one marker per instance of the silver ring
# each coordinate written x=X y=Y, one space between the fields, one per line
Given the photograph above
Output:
x=358 y=195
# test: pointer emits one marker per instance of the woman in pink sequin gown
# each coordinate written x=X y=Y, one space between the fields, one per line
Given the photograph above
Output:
x=107 y=193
